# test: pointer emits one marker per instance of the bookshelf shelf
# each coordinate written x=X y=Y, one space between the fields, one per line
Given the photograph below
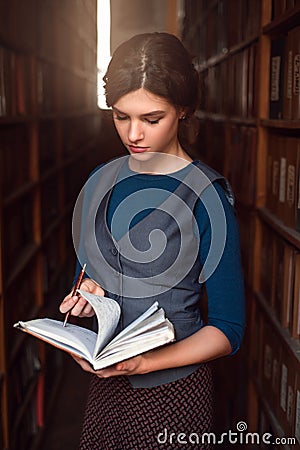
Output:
x=202 y=115
x=271 y=416
x=283 y=23
x=49 y=128
x=23 y=191
x=249 y=131
x=287 y=233
x=243 y=121
x=67 y=114
x=7 y=120
x=281 y=124
x=292 y=344
x=225 y=54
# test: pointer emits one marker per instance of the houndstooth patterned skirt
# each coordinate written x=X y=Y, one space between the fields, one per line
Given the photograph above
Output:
x=170 y=416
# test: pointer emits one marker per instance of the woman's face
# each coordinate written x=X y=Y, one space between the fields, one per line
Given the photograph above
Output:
x=147 y=123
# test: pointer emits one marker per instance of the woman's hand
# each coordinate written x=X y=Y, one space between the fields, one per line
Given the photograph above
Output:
x=80 y=307
x=205 y=345
x=132 y=366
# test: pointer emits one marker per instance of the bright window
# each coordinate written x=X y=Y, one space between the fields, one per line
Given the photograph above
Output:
x=103 y=42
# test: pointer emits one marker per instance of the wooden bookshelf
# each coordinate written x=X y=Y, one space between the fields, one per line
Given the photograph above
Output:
x=49 y=133
x=249 y=132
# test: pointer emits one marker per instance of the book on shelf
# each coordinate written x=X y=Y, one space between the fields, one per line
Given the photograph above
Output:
x=243 y=160
x=287 y=397
x=288 y=283
x=297 y=409
x=282 y=178
x=252 y=81
x=291 y=85
x=295 y=328
x=278 y=274
x=267 y=340
x=277 y=271
x=271 y=358
x=241 y=63
x=278 y=8
x=150 y=330
x=283 y=164
x=256 y=348
x=288 y=78
x=295 y=35
x=292 y=182
x=276 y=77
x=273 y=173
x=267 y=262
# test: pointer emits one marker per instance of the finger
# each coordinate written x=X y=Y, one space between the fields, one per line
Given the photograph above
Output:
x=68 y=303
x=78 y=307
x=122 y=368
x=87 y=311
x=86 y=285
x=91 y=286
x=83 y=364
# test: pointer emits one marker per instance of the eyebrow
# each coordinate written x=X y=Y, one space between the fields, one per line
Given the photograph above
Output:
x=152 y=113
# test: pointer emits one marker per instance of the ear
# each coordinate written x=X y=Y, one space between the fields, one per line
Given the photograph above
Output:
x=182 y=113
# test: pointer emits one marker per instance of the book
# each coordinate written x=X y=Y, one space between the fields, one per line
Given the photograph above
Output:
x=296 y=429
x=295 y=34
x=295 y=325
x=267 y=259
x=292 y=181
x=288 y=284
x=150 y=330
x=287 y=397
x=278 y=275
x=288 y=77
x=276 y=78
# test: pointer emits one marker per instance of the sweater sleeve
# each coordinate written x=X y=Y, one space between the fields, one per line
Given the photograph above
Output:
x=225 y=286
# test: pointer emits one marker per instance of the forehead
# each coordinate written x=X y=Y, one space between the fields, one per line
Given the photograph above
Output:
x=142 y=102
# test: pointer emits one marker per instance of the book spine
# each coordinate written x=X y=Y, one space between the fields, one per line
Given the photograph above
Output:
x=298 y=197
x=293 y=163
x=282 y=177
x=276 y=78
x=296 y=430
x=288 y=280
x=278 y=275
x=267 y=264
x=274 y=152
x=295 y=329
x=296 y=74
x=288 y=77
x=278 y=8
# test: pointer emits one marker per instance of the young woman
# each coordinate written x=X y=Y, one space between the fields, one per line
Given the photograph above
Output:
x=159 y=226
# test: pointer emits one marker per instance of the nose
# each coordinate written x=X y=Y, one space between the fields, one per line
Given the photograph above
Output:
x=135 y=131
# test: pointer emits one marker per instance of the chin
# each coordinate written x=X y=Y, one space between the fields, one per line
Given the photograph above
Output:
x=144 y=156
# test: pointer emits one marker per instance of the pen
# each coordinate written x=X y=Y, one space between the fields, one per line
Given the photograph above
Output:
x=77 y=286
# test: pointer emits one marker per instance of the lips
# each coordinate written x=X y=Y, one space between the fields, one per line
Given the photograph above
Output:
x=136 y=149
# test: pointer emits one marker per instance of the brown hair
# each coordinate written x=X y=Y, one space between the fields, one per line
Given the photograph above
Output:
x=157 y=62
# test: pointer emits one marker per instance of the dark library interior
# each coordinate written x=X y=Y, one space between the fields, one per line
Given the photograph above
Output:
x=53 y=134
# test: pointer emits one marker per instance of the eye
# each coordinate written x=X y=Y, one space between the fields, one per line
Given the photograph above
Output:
x=118 y=117
x=153 y=121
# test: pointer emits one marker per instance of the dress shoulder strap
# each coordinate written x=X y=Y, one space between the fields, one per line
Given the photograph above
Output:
x=213 y=175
